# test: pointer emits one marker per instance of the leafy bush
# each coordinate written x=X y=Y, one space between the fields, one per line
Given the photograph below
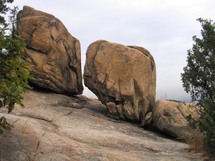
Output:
x=199 y=80
x=13 y=73
x=207 y=124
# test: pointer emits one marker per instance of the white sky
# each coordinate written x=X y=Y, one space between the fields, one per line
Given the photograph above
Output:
x=164 y=27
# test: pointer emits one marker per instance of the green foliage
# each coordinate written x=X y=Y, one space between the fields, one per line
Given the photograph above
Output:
x=199 y=74
x=13 y=73
x=207 y=124
x=199 y=80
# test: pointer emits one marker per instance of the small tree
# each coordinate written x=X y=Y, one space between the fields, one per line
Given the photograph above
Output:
x=13 y=73
x=199 y=79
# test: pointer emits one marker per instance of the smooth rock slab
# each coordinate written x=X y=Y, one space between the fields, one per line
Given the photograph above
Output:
x=69 y=134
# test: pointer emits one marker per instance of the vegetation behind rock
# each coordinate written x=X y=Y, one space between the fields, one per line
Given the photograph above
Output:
x=13 y=75
x=199 y=80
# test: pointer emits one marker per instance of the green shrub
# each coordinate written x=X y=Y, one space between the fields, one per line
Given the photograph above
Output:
x=199 y=80
x=13 y=73
x=207 y=124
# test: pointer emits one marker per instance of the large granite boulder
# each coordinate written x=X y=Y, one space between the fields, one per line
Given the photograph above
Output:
x=171 y=118
x=52 y=53
x=123 y=78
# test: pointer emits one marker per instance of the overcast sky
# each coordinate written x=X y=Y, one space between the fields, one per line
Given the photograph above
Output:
x=164 y=27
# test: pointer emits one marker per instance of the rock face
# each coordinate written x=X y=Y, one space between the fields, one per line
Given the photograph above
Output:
x=123 y=78
x=53 y=55
x=170 y=117
x=46 y=131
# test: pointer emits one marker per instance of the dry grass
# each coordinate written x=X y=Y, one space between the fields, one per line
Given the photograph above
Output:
x=196 y=146
x=195 y=141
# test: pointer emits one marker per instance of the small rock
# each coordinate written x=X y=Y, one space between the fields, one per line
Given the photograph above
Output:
x=171 y=118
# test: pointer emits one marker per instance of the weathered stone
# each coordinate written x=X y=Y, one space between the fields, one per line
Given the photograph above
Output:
x=44 y=131
x=171 y=117
x=123 y=78
x=52 y=53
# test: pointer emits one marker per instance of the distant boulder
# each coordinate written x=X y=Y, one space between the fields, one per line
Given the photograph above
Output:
x=171 y=118
x=123 y=78
x=52 y=53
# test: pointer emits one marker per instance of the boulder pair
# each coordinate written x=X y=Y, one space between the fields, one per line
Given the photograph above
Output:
x=122 y=77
